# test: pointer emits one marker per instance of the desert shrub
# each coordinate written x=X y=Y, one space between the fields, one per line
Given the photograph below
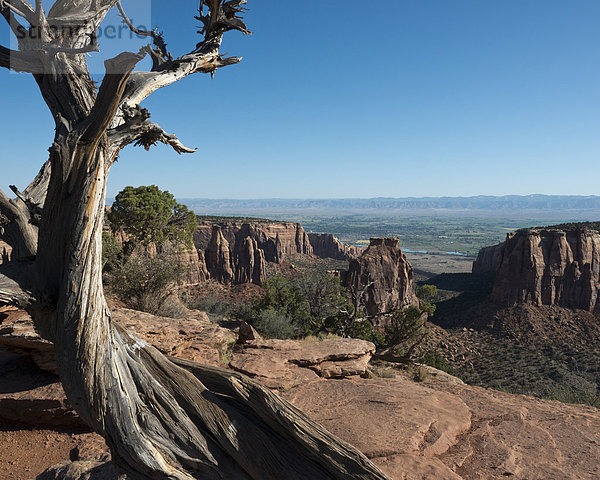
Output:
x=154 y=222
x=215 y=307
x=145 y=283
x=569 y=395
x=112 y=252
x=172 y=307
x=363 y=330
x=274 y=324
x=284 y=297
x=427 y=292
x=314 y=304
x=405 y=328
x=436 y=360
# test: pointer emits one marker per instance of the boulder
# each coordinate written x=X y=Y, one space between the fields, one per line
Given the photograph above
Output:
x=282 y=364
x=193 y=338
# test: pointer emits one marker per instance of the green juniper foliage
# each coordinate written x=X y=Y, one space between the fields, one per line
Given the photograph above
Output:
x=150 y=215
x=155 y=223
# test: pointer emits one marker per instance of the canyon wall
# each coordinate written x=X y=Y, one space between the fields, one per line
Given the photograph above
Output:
x=326 y=245
x=192 y=261
x=233 y=251
x=488 y=259
x=384 y=274
x=550 y=267
x=237 y=251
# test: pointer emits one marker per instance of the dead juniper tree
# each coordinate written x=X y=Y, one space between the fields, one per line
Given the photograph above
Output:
x=162 y=418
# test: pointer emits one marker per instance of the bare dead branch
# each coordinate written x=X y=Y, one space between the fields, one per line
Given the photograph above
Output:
x=159 y=55
x=118 y=70
x=137 y=129
x=19 y=61
x=154 y=134
x=35 y=209
x=16 y=27
x=38 y=188
x=16 y=227
x=21 y=8
x=219 y=18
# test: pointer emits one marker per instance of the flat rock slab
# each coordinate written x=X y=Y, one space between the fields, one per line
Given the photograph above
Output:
x=515 y=436
x=284 y=364
x=413 y=467
x=193 y=338
x=385 y=417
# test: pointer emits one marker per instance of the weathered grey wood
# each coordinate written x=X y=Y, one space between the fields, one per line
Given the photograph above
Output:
x=16 y=227
x=16 y=281
x=162 y=418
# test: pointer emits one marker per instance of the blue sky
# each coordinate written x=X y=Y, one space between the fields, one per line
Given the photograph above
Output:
x=364 y=99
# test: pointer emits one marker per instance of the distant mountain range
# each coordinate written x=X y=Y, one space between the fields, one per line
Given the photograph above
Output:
x=504 y=204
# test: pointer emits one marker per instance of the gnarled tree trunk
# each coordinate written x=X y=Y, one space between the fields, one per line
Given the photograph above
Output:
x=162 y=418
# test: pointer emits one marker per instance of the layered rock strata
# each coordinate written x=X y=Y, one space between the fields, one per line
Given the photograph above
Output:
x=549 y=267
x=326 y=245
x=383 y=276
x=237 y=252
x=282 y=364
x=488 y=259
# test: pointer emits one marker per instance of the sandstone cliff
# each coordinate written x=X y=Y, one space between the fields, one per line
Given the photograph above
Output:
x=385 y=275
x=550 y=267
x=326 y=245
x=276 y=239
x=237 y=251
x=250 y=262
x=488 y=259
x=217 y=256
x=194 y=267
